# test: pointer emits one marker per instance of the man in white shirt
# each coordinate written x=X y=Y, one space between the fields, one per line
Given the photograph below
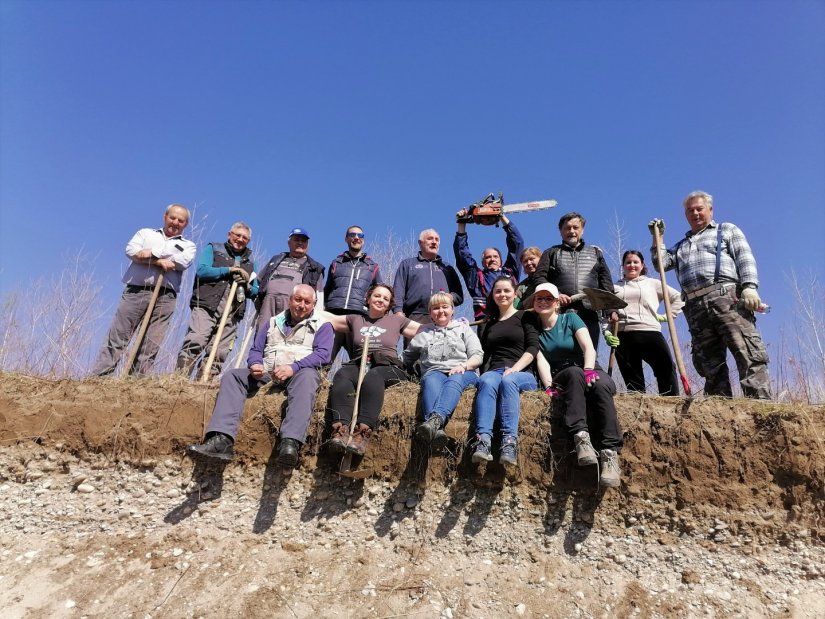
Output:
x=153 y=252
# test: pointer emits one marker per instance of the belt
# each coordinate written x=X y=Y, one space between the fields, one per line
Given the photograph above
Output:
x=701 y=292
x=136 y=288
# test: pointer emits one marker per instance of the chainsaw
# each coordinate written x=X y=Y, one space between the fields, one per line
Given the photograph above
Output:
x=488 y=211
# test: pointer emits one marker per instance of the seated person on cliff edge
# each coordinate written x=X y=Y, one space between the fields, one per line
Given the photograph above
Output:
x=289 y=350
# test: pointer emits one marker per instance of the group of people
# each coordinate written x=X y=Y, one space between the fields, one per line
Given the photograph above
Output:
x=531 y=331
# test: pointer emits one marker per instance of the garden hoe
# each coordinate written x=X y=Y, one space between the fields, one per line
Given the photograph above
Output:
x=207 y=367
x=143 y=326
x=346 y=469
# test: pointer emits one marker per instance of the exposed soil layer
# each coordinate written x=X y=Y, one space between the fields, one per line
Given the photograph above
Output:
x=730 y=482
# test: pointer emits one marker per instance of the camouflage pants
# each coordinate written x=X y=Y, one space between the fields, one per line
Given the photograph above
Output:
x=717 y=325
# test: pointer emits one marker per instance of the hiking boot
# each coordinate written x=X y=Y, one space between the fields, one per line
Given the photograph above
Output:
x=288 y=452
x=585 y=453
x=610 y=476
x=426 y=431
x=360 y=439
x=440 y=440
x=216 y=447
x=509 y=451
x=481 y=451
x=340 y=436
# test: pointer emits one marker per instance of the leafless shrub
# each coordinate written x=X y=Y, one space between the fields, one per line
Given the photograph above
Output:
x=800 y=368
x=49 y=329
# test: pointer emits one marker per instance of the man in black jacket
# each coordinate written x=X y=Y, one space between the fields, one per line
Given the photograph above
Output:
x=574 y=265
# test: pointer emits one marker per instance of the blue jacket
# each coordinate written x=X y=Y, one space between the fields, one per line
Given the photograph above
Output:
x=417 y=279
x=348 y=280
x=480 y=280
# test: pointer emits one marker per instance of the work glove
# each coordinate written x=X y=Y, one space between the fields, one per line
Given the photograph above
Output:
x=590 y=377
x=239 y=275
x=656 y=223
x=612 y=340
x=661 y=317
x=552 y=392
x=750 y=299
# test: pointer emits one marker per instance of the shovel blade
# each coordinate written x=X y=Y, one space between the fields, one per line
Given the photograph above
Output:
x=603 y=300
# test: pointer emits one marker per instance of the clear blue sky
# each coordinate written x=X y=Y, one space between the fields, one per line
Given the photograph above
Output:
x=396 y=114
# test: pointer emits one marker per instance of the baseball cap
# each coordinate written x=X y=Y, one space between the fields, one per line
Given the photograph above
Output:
x=547 y=287
x=299 y=232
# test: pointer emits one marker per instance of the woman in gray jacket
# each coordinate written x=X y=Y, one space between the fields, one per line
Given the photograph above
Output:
x=449 y=352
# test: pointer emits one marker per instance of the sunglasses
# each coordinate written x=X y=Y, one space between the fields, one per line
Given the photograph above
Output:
x=352 y=235
x=543 y=299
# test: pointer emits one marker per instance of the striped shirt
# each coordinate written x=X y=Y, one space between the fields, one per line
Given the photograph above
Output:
x=694 y=258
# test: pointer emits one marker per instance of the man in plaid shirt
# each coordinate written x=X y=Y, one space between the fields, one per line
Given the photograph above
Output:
x=717 y=271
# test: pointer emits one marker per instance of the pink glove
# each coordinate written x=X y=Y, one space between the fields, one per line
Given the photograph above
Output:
x=552 y=392
x=590 y=377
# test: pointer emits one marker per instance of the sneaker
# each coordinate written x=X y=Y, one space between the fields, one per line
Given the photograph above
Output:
x=585 y=453
x=288 y=452
x=340 y=436
x=610 y=476
x=509 y=451
x=482 y=449
x=217 y=447
x=426 y=431
x=359 y=440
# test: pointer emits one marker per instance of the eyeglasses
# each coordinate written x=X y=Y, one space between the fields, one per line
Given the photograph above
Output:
x=352 y=235
x=241 y=237
x=543 y=299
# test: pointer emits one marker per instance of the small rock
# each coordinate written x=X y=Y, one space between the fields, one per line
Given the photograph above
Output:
x=172 y=493
x=85 y=488
x=70 y=603
x=412 y=502
x=397 y=507
x=521 y=609
x=620 y=559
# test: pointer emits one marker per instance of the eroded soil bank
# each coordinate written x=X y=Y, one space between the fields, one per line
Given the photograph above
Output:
x=720 y=513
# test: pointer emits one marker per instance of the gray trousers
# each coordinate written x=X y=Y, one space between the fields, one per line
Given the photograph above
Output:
x=203 y=326
x=129 y=314
x=238 y=385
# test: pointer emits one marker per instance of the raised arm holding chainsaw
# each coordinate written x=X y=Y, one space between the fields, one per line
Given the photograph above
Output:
x=479 y=279
x=572 y=266
x=717 y=272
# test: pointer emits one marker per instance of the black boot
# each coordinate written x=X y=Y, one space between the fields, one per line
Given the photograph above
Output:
x=288 y=452
x=217 y=447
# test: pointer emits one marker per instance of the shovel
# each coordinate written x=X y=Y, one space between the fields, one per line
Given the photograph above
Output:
x=598 y=299
x=611 y=361
x=674 y=339
x=143 y=326
x=346 y=469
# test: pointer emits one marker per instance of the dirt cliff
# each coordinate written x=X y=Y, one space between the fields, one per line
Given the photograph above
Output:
x=720 y=512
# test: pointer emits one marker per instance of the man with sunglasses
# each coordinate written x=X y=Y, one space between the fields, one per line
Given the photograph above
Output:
x=219 y=265
x=350 y=276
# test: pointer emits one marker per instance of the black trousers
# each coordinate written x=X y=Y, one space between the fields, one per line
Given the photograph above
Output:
x=342 y=393
x=650 y=347
x=589 y=408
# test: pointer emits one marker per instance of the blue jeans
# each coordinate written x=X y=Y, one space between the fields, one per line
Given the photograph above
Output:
x=499 y=395
x=440 y=393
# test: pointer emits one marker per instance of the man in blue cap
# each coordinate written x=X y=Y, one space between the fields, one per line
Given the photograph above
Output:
x=286 y=270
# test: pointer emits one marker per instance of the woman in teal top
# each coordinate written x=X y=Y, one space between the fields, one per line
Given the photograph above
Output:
x=567 y=369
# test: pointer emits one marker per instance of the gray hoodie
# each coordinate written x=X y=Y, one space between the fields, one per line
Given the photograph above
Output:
x=442 y=348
